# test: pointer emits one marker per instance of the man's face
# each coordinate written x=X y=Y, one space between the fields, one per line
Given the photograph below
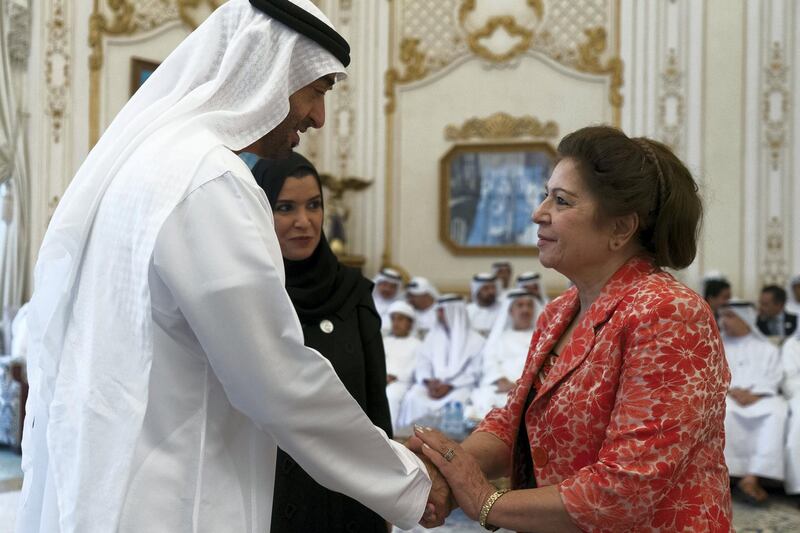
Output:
x=767 y=306
x=306 y=110
x=420 y=302
x=387 y=289
x=487 y=295
x=796 y=292
x=401 y=325
x=715 y=302
x=521 y=312
x=503 y=273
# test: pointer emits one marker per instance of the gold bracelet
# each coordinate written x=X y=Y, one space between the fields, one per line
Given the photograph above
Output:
x=487 y=506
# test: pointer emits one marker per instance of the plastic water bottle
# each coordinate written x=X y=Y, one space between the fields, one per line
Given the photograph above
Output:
x=458 y=420
x=453 y=419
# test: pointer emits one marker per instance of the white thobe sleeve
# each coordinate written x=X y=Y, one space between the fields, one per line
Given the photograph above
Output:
x=790 y=359
x=492 y=366
x=424 y=368
x=218 y=255
x=769 y=379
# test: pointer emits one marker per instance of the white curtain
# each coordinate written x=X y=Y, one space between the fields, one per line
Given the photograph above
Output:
x=14 y=160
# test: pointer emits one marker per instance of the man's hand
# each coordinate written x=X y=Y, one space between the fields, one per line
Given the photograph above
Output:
x=469 y=486
x=438 y=389
x=743 y=397
x=503 y=385
x=440 y=499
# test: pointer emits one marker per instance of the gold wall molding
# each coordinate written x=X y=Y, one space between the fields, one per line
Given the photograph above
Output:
x=57 y=67
x=18 y=38
x=774 y=269
x=671 y=108
x=587 y=55
x=508 y=23
x=415 y=68
x=775 y=104
x=501 y=126
x=129 y=18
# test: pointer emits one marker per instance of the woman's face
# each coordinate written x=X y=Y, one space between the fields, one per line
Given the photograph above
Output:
x=572 y=237
x=298 y=217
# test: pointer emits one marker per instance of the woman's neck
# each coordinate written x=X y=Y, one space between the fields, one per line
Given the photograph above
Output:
x=591 y=284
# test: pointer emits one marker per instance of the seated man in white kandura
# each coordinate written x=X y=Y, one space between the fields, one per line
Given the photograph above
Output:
x=505 y=352
x=790 y=359
x=447 y=365
x=401 y=347
x=755 y=417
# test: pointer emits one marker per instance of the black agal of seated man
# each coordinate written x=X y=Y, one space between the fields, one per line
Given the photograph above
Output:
x=306 y=24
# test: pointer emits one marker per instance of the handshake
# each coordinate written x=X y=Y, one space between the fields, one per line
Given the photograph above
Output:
x=457 y=479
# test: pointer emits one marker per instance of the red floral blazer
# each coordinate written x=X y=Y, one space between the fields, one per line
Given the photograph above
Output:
x=629 y=421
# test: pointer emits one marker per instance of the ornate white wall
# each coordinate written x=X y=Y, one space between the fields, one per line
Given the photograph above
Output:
x=715 y=79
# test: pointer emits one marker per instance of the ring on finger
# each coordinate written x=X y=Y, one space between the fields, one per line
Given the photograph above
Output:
x=449 y=454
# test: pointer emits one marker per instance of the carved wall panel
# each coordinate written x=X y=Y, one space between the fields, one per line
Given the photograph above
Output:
x=57 y=66
x=663 y=53
x=770 y=170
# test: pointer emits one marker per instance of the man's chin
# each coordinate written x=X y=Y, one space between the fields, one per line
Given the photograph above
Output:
x=278 y=154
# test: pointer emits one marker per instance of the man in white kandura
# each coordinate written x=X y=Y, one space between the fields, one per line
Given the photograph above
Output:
x=388 y=285
x=483 y=308
x=790 y=359
x=755 y=417
x=401 y=347
x=166 y=359
x=422 y=296
x=505 y=352
x=447 y=365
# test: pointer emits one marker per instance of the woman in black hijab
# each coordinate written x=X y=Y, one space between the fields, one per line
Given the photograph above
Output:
x=335 y=307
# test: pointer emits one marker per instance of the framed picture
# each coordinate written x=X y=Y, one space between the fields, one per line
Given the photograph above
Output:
x=488 y=193
x=140 y=71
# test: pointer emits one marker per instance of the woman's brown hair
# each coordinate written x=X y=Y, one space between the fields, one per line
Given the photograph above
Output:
x=639 y=175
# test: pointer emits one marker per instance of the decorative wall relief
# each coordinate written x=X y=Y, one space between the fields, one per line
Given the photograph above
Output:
x=774 y=267
x=775 y=104
x=575 y=35
x=57 y=67
x=501 y=126
x=19 y=34
x=671 y=109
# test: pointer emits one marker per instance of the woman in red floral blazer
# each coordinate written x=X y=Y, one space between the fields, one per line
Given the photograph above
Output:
x=617 y=423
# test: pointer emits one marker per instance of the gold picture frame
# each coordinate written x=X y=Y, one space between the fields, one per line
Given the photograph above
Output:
x=487 y=195
x=141 y=69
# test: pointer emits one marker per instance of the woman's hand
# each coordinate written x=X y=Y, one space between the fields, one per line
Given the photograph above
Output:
x=469 y=486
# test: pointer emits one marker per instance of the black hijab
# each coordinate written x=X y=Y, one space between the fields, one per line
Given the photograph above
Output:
x=318 y=285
